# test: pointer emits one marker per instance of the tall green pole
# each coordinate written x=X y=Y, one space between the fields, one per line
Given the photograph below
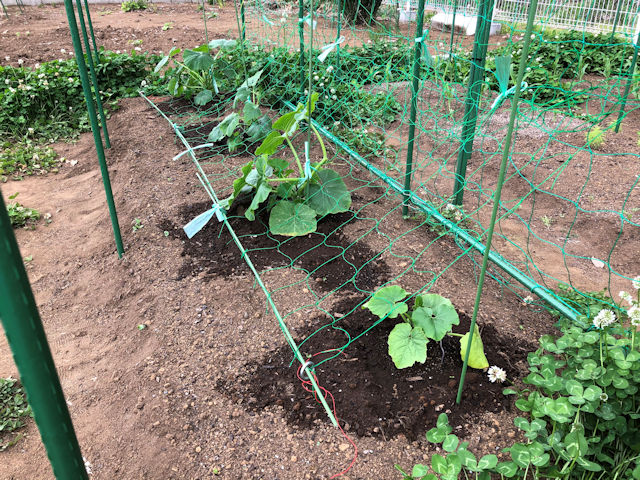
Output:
x=94 y=77
x=301 y=35
x=616 y=19
x=244 y=23
x=414 y=106
x=28 y=342
x=632 y=69
x=86 y=88
x=497 y=195
x=476 y=77
x=93 y=36
x=453 y=31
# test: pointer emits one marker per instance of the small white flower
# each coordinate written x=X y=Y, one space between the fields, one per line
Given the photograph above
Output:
x=7 y=58
x=450 y=207
x=335 y=124
x=316 y=78
x=626 y=296
x=143 y=83
x=12 y=90
x=496 y=374
x=528 y=300
x=321 y=85
x=20 y=61
x=634 y=315
x=7 y=81
x=283 y=20
x=30 y=130
x=117 y=51
x=36 y=66
x=62 y=50
x=604 y=397
x=70 y=54
x=604 y=318
x=330 y=69
x=41 y=75
x=70 y=79
x=137 y=49
x=636 y=282
x=306 y=92
x=334 y=97
x=333 y=90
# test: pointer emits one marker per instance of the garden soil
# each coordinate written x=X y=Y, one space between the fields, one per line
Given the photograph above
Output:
x=172 y=366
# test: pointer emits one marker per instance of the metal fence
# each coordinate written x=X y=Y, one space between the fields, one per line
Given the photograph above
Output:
x=588 y=15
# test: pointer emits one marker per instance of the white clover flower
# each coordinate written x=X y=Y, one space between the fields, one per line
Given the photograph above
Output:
x=143 y=83
x=450 y=207
x=20 y=61
x=636 y=282
x=306 y=92
x=321 y=85
x=457 y=216
x=604 y=318
x=45 y=83
x=117 y=51
x=7 y=81
x=137 y=49
x=496 y=374
x=528 y=300
x=604 y=397
x=12 y=90
x=62 y=50
x=330 y=69
x=70 y=53
x=626 y=296
x=333 y=90
x=30 y=130
x=36 y=66
x=334 y=97
x=634 y=315
x=283 y=20
x=316 y=78
x=41 y=75
x=7 y=58
x=335 y=124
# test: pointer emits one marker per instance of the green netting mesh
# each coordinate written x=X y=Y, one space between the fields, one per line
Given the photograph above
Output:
x=570 y=208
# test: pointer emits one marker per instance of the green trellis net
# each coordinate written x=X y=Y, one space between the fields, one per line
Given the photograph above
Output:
x=414 y=116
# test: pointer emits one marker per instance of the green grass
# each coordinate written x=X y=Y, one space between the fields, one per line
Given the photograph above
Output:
x=14 y=410
x=21 y=216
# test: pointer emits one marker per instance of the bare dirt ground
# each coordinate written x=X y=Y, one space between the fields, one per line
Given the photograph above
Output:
x=204 y=390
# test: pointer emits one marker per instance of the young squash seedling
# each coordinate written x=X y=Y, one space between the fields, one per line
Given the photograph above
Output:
x=432 y=318
x=294 y=202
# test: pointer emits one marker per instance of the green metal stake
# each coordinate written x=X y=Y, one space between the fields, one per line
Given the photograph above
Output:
x=453 y=31
x=94 y=77
x=414 y=106
x=4 y=9
x=93 y=37
x=338 y=32
x=496 y=196
x=476 y=77
x=31 y=353
x=301 y=34
x=615 y=20
x=243 y=20
x=86 y=88
x=632 y=69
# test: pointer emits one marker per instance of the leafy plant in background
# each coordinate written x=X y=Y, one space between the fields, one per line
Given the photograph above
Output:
x=133 y=5
x=14 y=409
x=432 y=317
x=198 y=74
x=251 y=125
x=19 y=215
x=294 y=202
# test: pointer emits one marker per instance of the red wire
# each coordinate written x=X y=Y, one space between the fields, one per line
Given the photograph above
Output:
x=306 y=384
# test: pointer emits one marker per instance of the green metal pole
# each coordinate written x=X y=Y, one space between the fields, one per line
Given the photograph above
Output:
x=243 y=20
x=94 y=77
x=301 y=35
x=496 y=196
x=476 y=77
x=86 y=88
x=453 y=30
x=93 y=37
x=338 y=32
x=4 y=9
x=414 y=106
x=632 y=69
x=615 y=20
x=28 y=342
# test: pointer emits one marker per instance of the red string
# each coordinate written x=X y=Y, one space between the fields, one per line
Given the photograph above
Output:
x=306 y=384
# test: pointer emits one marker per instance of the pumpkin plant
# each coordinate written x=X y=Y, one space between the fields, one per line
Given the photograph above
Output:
x=295 y=200
x=432 y=318
x=249 y=125
x=195 y=74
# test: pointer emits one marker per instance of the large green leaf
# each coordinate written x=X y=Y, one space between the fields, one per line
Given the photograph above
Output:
x=250 y=112
x=435 y=314
x=259 y=129
x=330 y=194
x=287 y=123
x=198 y=59
x=292 y=219
x=388 y=301
x=163 y=61
x=270 y=144
x=229 y=124
x=239 y=185
x=262 y=193
x=407 y=345
x=204 y=97
x=216 y=134
x=221 y=43
x=476 y=355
